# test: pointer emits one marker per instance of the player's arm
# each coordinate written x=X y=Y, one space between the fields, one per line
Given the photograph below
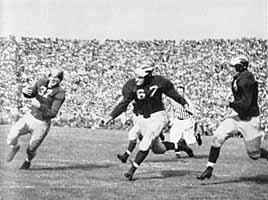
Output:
x=170 y=91
x=244 y=103
x=55 y=107
x=122 y=105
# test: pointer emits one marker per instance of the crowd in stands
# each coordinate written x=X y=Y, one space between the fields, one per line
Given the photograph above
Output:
x=95 y=72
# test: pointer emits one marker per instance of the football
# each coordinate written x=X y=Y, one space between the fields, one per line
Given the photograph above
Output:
x=29 y=92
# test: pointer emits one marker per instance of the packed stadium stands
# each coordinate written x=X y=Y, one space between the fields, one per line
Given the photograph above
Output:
x=96 y=70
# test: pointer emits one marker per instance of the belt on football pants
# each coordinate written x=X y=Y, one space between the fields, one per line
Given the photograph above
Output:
x=144 y=116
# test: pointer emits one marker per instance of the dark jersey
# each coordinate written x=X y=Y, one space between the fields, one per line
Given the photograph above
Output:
x=245 y=92
x=50 y=100
x=147 y=97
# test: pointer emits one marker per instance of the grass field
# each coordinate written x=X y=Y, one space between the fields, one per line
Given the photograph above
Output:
x=82 y=164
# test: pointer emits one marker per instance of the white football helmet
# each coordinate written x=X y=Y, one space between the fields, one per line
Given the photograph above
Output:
x=141 y=73
x=240 y=62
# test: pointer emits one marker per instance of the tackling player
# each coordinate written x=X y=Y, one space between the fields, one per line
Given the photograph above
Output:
x=146 y=90
x=245 y=120
x=47 y=99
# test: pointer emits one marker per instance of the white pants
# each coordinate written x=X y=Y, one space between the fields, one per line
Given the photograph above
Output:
x=182 y=129
x=251 y=131
x=232 y=125
x=134 y=132
x=28 y=124
x=150 y=129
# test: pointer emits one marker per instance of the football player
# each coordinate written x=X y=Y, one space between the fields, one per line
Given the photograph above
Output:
x=244 y=120
x=183 y=125
x=47 y=98
x=146 y=91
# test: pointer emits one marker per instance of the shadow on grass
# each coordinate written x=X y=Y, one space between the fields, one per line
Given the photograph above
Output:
x=72 y=167
x=160 y=160
x=259 y=179
x=172 y=173
x=184 y=159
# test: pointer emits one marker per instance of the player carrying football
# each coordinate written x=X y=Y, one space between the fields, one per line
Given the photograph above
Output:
x=245 y=120
x=47 y=99
x=146 y=91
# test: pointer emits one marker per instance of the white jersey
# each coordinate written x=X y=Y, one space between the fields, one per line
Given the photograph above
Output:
x=179 y=111
x=183 y=123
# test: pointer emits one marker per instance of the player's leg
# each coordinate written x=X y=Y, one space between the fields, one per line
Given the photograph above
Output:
x=188 y=136
x=133 y=135
x=131 y=146
x=150 y=129
x=176 y=135
x=142 y=153
x=40 y=130
x=227 y=129
x=18 y=129
x=252 y=134
x=197 y=134
x=160 y=147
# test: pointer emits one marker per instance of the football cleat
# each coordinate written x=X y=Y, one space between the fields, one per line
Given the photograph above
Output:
x=198 y=139
x=12 y=153
x=206 y=174
x=190 y=152
x=129 y=175
x=122 y=157
x=182 y=146
x=26 y=165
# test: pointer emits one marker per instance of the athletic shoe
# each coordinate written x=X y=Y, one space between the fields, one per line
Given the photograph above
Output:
x=122 y=157
x=182 y=146
x=206 y=174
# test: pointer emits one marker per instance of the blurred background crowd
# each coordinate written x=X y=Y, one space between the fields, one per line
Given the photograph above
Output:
x=95 y=72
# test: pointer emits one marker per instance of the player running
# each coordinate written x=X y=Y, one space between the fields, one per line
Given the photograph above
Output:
x=47 y=99
x=146 y=90
x=245 y=120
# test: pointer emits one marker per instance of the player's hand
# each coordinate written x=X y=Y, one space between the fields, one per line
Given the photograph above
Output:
x=106 y=120
x=27 y=91
x=222 y=102
x=187 y=108
x=36 y=103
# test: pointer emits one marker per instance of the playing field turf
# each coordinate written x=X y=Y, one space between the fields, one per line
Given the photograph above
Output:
x=82 y=164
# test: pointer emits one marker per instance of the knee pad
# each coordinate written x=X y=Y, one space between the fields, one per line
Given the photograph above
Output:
x=11 y=142
x=217 y=142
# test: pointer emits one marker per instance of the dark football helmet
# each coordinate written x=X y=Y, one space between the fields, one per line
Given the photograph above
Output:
x=55 y=76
